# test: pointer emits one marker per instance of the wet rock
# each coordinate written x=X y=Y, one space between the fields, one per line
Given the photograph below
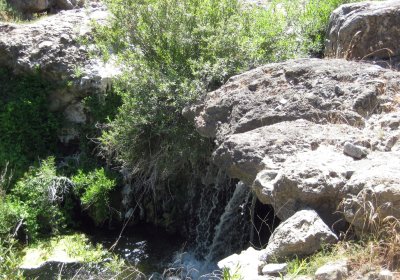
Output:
x=364 y=30
x=355 y=151
x=246 y=263
x=302 y=234
x=333 y=271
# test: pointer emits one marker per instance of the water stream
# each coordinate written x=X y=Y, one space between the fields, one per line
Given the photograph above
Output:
x=223 y=227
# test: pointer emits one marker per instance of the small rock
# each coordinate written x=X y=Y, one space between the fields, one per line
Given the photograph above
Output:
x=332 y=271
x=45 y=44
x=247 y=262
x=356 y=152
x=275 y=269
x=300 y=277
x=385 y=275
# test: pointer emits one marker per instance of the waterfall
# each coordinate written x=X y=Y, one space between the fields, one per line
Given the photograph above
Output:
x=215 y=217
x=223 y=227
x=233 y=230
x=215 y=193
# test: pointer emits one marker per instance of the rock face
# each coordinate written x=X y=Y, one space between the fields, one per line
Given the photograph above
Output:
x=51 y=46
x=365 y=30
x=309 y=133
x=300 y=235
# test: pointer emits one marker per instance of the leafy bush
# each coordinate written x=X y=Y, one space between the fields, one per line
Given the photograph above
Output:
x=9 y=217
x=9 y=259
x=175 y=51
x=28 y=129
x=41 y=199
x=93 y=189
x=7 y=13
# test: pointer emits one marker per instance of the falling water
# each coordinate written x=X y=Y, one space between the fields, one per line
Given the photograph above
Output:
x=217 y=222
x=233 y=230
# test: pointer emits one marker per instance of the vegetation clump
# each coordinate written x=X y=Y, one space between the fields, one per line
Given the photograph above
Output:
x=7 y=12
x=28 y=129
x=93 y=189
x=175 y=51
x=41 y=200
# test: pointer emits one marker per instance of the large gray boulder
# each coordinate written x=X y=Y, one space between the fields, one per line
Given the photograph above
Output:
x=300 y=235
x=52 y=46
x=321 y=91
x=364 y=30
x=244 y=155
x=308 y=179
x=301 y=133
x=29 y=7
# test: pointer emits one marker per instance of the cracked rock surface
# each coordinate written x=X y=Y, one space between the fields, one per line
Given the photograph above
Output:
x=309 y=133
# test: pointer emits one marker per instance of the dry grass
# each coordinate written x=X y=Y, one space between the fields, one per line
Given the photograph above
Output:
x=371 y=244
x=379 y=234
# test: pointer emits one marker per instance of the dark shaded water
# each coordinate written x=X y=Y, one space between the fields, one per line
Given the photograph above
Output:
x=149 y=248
x=158 y=254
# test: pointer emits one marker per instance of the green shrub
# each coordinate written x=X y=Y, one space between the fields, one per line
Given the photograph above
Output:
x=9 y=217
x=93 y=188
x=181 y=50
x=28 y=130
x=7 y=13
x=41 y=199
x=174 y=51
x=10 y=258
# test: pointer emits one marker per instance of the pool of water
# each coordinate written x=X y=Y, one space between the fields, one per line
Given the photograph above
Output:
x=150 y=249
